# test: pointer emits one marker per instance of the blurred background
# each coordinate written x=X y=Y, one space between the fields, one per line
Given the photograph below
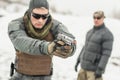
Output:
x=66 y=7
x=77 y=16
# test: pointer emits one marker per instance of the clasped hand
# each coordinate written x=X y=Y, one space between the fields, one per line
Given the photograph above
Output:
x=59 y=48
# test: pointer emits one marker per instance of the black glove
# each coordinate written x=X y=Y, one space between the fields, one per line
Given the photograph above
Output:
x=76 y=65
x=98 y=73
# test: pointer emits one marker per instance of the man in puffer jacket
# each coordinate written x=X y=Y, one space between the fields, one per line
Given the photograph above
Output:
x=36 y=37
x=96 y=51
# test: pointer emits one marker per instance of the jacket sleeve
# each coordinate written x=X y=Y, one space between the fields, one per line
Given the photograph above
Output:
x=106 y=50
x=22 y=42
x=57 y=27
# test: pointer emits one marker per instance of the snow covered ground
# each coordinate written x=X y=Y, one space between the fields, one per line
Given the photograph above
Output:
x=78 y=25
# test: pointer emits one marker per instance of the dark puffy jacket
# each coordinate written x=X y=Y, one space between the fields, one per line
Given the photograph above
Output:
x=97 y=49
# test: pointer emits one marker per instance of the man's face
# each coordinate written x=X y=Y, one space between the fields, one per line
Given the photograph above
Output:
x=39 y=17
x=98 y=20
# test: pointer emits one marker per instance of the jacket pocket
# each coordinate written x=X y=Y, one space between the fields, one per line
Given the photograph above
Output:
x=90 y=57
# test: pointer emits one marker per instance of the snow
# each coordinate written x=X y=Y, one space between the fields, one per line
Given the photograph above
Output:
x=86 y=7
x=78 y=26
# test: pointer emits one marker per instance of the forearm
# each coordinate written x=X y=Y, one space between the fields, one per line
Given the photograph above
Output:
x=106 y=53
x=22 y=42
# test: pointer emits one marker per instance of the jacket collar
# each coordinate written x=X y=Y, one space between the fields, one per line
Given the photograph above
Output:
x=99 y=27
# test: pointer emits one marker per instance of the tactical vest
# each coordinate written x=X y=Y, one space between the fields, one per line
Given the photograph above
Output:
x=34 y=64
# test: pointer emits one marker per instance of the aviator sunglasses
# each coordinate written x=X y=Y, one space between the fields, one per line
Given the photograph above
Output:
x=97 y=18
x=38 y=16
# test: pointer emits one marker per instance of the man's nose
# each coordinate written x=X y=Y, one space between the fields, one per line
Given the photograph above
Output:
x=40 y=19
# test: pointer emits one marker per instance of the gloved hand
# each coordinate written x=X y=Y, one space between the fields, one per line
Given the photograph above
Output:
x=59 y=48
x=51 y=47
x=76 y=65
x=61 y=53
x=63 y=49
x=61 y=45
x=98 y=73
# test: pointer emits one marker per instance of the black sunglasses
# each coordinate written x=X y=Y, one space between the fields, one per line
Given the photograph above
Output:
x=97 y=17
x=38 y=16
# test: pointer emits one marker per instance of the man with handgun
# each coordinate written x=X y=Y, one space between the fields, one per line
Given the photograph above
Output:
x=36 y=37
